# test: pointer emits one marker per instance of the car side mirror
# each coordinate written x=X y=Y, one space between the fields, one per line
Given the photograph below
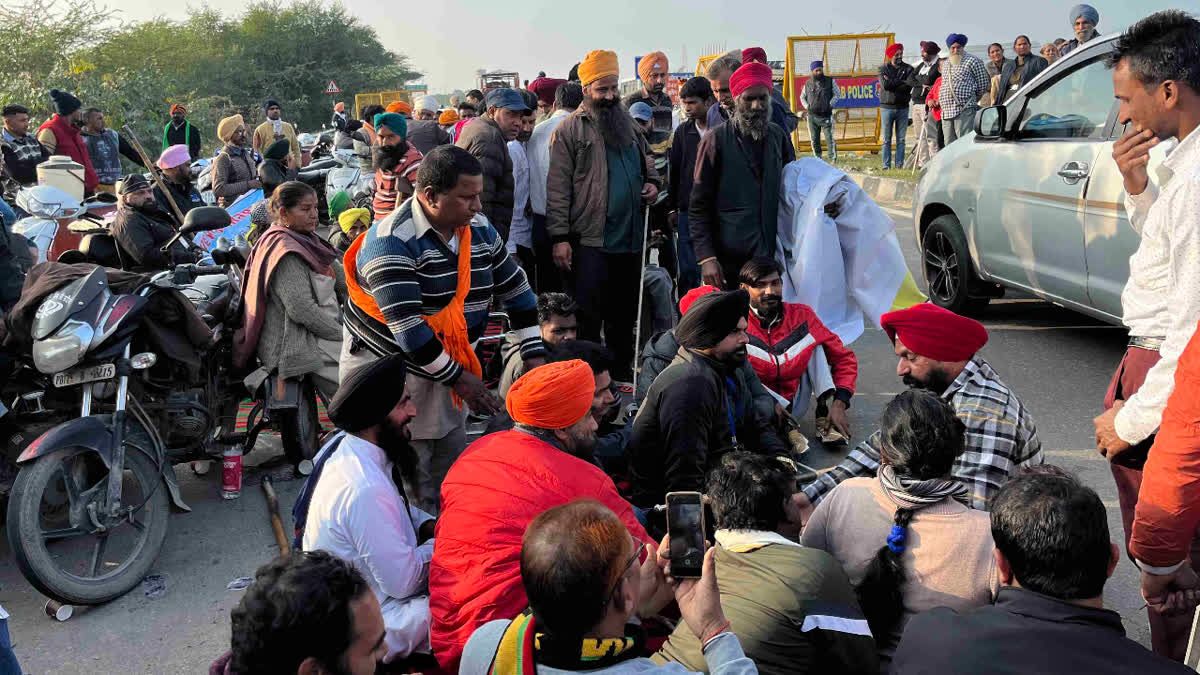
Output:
x=205 y=218
x=990 y=123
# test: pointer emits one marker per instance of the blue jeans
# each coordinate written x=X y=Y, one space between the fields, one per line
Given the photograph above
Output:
x=815 y=125
x=896 y=118
x=8 y=660
x=689 y=268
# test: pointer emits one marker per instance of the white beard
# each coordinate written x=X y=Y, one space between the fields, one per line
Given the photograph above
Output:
x=956 y=60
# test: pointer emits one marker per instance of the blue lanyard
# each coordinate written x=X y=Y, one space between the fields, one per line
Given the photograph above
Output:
x=730 y=406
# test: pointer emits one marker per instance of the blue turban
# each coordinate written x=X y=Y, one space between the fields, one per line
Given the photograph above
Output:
x=956 y=38
x=393 y=121
x=815 y=64
x=1086 y=11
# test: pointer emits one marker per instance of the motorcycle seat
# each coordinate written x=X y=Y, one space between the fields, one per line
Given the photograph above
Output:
x=101 y=249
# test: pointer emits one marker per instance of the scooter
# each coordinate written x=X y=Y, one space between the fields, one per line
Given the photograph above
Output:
x=51 y=212
x=348 y=176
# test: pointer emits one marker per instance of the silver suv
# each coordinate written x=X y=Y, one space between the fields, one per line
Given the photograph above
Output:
x=1033 y=200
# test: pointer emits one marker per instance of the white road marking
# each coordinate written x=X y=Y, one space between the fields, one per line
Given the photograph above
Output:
x=897 y=212
x=1013 y=326
x=1086 y=455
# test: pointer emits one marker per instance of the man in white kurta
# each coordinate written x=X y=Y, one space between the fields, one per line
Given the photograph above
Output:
x=359 y=514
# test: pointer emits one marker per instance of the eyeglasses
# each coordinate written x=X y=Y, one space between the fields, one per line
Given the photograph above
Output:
x=637 y=553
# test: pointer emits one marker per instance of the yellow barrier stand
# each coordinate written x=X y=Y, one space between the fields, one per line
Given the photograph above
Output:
x=853 y=60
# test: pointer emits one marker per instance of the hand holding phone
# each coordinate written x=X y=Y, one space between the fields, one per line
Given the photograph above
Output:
x=685 y=529
x=699 y=599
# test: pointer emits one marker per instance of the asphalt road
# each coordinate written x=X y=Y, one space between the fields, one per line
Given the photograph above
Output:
x=1057 y=361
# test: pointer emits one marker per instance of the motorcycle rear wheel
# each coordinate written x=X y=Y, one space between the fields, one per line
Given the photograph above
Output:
x=47 y=564
x=300 y=429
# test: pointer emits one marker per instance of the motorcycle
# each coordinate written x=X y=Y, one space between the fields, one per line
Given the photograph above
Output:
x=349 y=176
x=51 y=211
x=147 y=399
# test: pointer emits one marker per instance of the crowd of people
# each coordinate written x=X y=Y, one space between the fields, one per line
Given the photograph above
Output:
x=941 y=543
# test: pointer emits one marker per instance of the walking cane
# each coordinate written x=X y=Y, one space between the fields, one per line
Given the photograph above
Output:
x=154 y=172
x=637 y=333
x=922 y=136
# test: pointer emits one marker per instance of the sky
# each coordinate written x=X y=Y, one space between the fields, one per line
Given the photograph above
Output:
x=449 y=40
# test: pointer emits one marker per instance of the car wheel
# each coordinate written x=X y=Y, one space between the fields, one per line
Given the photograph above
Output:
x=949 y=272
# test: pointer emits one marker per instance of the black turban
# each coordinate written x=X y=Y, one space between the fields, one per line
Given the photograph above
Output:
x=368 y=394
x=711 y=318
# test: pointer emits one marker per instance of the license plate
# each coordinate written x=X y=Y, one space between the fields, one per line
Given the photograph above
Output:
x=67 y=378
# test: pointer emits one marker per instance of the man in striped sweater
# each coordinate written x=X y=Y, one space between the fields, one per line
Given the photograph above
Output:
x=421 y=282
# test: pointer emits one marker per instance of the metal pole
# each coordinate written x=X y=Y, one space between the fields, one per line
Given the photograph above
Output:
x=154 y=172
x=637 y=333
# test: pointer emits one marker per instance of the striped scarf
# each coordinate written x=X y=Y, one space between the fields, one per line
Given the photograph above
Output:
x=911 y=493
x=522 y=647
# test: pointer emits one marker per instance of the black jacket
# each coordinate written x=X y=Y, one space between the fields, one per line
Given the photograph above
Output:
x=895 y=89
x=661 y=350
x=483 y=139
x=1024 y=632
x=684 y=144
x=920 y=84
x=683 y=427
x=425 y=135
x=140 y=238
x=187 y=197
x=187 y=135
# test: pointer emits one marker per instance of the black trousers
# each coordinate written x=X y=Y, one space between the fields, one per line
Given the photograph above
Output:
x=544 y=275
x=607 y=289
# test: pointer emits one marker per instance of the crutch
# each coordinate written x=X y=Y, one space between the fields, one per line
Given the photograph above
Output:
x=637 y=331
x=922 y=136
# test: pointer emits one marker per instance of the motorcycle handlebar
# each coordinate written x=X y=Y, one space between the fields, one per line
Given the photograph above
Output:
x=200 y=270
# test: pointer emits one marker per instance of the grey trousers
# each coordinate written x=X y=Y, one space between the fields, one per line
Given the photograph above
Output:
x=956 y=128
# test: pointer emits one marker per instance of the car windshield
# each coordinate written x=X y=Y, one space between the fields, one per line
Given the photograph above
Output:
x=1076 y=105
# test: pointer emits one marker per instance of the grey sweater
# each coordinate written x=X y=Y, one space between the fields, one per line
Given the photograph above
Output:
x=296 y=318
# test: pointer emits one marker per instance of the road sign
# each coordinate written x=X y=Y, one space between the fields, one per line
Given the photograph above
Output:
x=332 y=88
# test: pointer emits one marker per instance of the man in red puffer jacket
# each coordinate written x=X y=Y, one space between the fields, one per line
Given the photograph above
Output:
x=498 y=486
x=60 y=135
x=784 y=338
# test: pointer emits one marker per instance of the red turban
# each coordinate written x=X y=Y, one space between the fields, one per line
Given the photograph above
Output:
x=892 y=49
x=553 y=396
x=544 y=88
x=935 y=333
x=686 y=301
x=749 y=75
x=754 y=55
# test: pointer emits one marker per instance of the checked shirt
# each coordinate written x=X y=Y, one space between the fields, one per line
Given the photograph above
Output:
x=1000 y=437
x=962 y=85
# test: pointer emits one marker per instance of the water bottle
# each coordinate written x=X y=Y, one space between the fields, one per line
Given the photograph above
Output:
x=231 y=472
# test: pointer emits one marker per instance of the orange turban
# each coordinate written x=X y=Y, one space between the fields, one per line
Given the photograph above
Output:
x=597 y=64
x=179 y=107
x=399 y=107
x=654 y=62
x=448 y=117
x=553 y=396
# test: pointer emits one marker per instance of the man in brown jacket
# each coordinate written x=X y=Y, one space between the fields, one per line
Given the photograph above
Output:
x=488 y=140
x=600 y=180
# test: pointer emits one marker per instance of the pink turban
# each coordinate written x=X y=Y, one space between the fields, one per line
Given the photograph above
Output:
x=173 y=157
x=749 y=75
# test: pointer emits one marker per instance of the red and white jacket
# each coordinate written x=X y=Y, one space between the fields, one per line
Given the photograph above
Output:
x=780 y=353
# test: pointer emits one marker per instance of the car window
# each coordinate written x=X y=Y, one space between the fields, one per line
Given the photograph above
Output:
x=1076 y=105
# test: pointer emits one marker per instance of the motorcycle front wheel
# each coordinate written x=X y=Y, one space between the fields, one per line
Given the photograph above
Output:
x=57 y=548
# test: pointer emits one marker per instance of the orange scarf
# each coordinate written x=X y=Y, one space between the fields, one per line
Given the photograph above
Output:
x=449 y=325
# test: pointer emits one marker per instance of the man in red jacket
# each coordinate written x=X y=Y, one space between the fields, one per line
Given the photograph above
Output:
x=794 y=354
x=60 y=135
x=498 y=486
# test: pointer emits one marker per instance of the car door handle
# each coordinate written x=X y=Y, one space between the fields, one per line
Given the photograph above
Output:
x=1074 y=170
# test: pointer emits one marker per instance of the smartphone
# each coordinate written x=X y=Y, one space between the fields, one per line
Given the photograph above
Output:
x=685 y=525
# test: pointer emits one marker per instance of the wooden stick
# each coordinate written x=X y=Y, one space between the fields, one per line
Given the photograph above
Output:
x=276 y=522
x=154 y=172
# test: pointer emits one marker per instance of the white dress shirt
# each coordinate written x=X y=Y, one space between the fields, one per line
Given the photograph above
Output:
x=520 y=231
x=538 y=153
x=1162 y=296
x=357 y=514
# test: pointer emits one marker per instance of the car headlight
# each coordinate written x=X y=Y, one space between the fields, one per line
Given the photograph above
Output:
x=63 y=349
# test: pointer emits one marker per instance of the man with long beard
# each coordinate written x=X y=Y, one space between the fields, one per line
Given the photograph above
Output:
x=938 y=351
x=396 y=163
x=601 y=177
x=964 y=81
x=733 y=214
x=142 y=228
x=355 y=506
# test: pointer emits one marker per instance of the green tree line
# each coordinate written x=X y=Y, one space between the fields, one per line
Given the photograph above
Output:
x=214 y=65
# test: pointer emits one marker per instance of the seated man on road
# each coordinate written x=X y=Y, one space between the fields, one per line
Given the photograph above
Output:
x=557 y=322
x=792 y=607
x=661 y=350
x=612 y=439
x=175 y=163
x=938 y=352
x=794 y=354
x=1054 y=554
x=358 y=510
x=498 y=486
x=585 y=580
x=141 y=228
x=700 y=407
x=306 y=613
